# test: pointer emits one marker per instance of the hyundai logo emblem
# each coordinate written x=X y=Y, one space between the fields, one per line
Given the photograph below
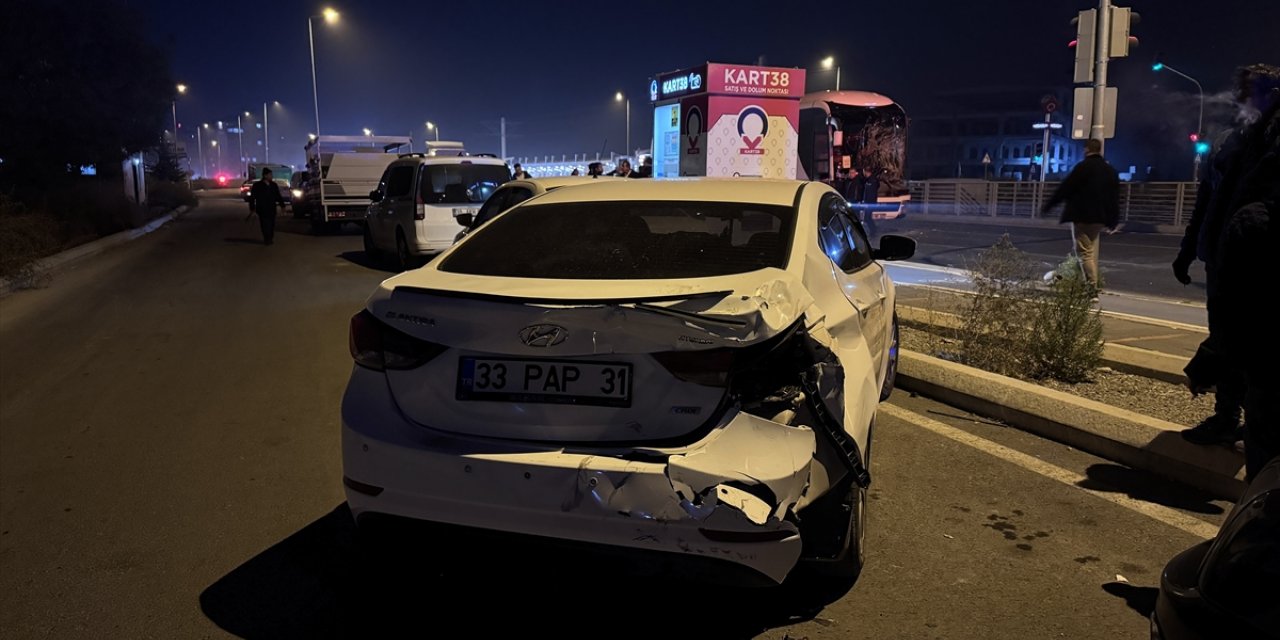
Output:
x=543 y=335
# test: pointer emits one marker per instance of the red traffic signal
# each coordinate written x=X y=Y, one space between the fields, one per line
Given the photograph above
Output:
x=1195 y=137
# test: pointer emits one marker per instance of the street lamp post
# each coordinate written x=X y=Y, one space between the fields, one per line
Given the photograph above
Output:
x=431 y=126
x=240 y=139
x=1195 y=168
x=182 y=88
x=827 y=63
x=218 y=164
x=618 y=97
x=330 y=16
x=204 y=168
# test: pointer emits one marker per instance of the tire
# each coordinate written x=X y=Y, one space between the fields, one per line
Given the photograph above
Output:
x=845 y=568
x=891 y=373
x=404 y=261
x=370 y=250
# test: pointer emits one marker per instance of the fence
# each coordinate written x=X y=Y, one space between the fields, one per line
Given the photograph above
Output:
x=1154 y=203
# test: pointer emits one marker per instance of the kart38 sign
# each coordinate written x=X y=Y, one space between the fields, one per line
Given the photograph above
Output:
x=742 y=120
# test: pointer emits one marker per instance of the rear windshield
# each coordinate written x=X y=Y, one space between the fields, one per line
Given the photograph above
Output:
x=461 y=183
x=627 y=241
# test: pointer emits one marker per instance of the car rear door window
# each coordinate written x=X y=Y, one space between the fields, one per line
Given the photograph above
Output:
x=400 y=181
x=461 y=183
x=840 y=235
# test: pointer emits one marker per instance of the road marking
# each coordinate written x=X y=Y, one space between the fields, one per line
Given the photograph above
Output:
x=1171 y=517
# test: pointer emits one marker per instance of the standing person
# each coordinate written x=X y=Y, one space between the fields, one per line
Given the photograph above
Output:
x=1092 y=194
x=575 y=172
x=870 y=188
x=264 y=195
x=646 y=168
x=519 y=173
x=595 y=169
x=624 y=170
x=1243 y=213
x=1201 y=241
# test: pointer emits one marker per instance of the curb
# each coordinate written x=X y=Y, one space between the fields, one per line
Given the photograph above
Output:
x=1123 y=358
x=51 y=264
x=1122 y=436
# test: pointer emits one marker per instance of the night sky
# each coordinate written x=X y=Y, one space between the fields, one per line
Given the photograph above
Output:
x=552 y=68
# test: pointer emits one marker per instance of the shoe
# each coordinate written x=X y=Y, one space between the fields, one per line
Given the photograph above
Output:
x=1212 y=430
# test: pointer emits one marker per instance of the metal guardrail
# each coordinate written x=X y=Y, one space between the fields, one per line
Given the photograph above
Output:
x=1155 y=203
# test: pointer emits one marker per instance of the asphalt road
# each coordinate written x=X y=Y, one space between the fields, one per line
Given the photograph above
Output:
x=169 y=468
x=1134 y=263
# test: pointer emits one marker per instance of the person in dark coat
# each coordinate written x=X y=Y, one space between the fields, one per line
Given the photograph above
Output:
x=869 y=190
x=1092 y=196
x=1242 y=337
x=264 y=195
x=1218 y=195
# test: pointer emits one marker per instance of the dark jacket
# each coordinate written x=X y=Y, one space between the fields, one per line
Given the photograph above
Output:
x=264 y=195
x=1092 y=193
x=870 y=189
x=1229 y=183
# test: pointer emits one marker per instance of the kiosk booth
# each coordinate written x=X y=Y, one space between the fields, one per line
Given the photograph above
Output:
x=727 y=120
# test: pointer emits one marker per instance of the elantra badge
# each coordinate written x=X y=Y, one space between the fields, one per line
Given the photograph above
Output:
x=543 y=335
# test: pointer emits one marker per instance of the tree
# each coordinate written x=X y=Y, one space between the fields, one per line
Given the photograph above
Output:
x=81 y=86
x=168 y=163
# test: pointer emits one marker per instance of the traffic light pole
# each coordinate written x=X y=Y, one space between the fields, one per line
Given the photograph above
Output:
x=1097 y=129
x=1044 y=153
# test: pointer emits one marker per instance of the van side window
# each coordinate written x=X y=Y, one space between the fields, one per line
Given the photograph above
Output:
x=400 y=181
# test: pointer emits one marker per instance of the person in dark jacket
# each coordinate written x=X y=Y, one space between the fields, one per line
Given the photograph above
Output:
x=1092 y=195
x=1219 y=194
x=264 y=195
x=869 y=189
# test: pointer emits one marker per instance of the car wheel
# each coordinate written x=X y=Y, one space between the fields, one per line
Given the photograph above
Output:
x=404 y=261
x=891 y=372
x=370 y=251
x=847 y=566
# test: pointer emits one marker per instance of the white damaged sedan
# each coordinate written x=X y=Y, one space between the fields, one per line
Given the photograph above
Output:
x=685 y=367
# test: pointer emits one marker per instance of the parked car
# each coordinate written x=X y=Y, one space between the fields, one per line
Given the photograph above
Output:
x=415 y=208
x=1228 y=587
x=512 y=194
x=686 y=368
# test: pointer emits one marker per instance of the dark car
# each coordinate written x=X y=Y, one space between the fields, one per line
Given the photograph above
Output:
x=1228 y=587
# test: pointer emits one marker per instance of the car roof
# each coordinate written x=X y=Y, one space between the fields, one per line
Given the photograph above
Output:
x=753 y=190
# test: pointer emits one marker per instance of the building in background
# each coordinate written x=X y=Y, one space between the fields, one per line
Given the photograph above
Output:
x=996 y=124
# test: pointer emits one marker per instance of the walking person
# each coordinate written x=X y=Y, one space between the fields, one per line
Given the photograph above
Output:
x=1092 y=196
x=264 y=195
x=519 y=173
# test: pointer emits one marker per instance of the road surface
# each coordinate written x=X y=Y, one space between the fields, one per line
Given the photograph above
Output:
x=169 y=468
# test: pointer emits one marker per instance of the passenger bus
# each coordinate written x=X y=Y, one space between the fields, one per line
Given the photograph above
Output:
x=844 y=129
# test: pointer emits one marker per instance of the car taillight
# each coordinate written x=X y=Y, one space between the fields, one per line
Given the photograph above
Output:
x=708 y=367
x=379 y=347
x=419 y=207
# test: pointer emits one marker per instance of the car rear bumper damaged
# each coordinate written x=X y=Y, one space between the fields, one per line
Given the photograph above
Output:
x=730 y=496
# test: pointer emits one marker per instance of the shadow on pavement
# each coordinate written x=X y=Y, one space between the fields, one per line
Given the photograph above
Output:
x=243 y=240
x=317 y=583
x=1140 y=485
x=361 y=259
x=1140 y=599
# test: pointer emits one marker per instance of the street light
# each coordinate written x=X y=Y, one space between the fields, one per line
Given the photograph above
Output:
x=618 y=97
x=1159 y=66
x=217 y=165
x=330 y=17
x=431 y=126
x=827 y=63
x=367 y=132
x=182 y=88
x=204 y=168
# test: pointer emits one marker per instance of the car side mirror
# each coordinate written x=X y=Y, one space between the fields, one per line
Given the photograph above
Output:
x=375 y=196
x=465 y=219
x=895 y=248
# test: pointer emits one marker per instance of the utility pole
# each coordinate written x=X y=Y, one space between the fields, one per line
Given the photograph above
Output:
x=266 y=136
x=1103 y=42
x=502 y=126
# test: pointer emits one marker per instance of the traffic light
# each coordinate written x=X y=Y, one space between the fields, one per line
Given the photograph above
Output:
x=1195 y=137
x=1202 y=148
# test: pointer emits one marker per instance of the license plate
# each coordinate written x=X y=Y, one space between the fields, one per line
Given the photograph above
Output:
x=605 y=384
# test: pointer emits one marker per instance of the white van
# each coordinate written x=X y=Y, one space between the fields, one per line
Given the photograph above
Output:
x=415 y=208
x=343 y=169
